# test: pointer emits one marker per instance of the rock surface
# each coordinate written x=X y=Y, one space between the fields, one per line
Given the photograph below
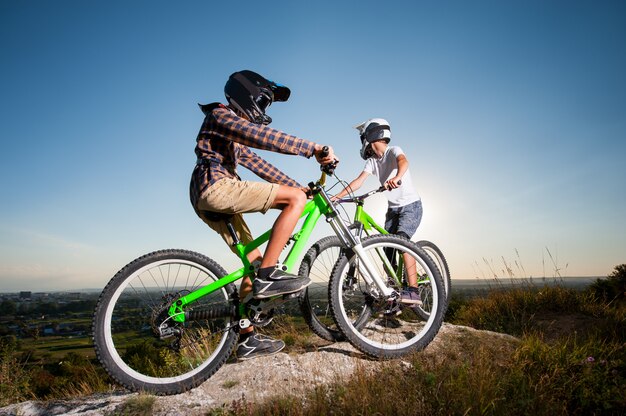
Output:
x=259 y=379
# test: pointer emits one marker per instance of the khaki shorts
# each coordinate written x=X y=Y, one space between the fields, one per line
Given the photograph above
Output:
x=232 y=196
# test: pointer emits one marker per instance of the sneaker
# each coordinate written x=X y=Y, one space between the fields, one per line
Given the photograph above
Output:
x=258 y=345
x=410 y=296
x=278 y=283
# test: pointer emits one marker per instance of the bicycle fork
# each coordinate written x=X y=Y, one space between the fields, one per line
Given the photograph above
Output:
x=370 y=275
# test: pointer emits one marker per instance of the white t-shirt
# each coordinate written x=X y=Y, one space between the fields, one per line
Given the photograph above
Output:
x=386 y=168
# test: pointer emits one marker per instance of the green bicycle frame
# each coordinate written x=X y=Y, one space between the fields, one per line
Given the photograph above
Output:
x=313 y=210
x=368 y=224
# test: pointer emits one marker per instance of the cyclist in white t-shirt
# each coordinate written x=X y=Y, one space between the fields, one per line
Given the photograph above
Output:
x=391 y=167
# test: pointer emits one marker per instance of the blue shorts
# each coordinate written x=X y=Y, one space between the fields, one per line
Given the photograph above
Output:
x=404 y=220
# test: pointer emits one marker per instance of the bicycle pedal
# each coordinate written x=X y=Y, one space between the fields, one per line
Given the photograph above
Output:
x=390 y=313
x=289 y=296
x=393 y=309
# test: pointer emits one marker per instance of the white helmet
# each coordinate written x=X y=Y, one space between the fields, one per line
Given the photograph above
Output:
x=371 y=131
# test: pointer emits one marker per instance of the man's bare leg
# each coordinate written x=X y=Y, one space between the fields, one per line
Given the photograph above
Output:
x=291 y=201
x=271 y=281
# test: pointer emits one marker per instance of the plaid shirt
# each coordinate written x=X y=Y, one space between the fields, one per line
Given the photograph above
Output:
x=224 y=142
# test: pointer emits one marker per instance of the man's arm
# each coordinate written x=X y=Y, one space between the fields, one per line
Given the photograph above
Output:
x=353 y=186
x=264 y=169
x=234 y=128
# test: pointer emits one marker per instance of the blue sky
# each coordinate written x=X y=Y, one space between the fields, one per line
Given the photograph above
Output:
x=512 y=116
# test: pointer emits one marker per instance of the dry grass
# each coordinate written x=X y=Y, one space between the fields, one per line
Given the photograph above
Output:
x=14 y=379
x=140 y=405
x=571 y=360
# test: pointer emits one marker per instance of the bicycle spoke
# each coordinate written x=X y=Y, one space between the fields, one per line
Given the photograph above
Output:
x=141 y=345
x=390 y=328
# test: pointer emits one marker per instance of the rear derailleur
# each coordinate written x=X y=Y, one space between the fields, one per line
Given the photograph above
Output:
x=163 y=326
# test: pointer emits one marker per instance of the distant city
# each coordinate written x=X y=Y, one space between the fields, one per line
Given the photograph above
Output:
x=569 y=281
x=28 y=314
x=27 y=295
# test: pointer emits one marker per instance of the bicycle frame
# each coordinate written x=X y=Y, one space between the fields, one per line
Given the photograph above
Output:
x=366 y=223
x=313 y=210
x=366 y=220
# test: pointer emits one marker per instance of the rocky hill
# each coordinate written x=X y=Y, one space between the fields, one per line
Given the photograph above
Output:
x=281 y=374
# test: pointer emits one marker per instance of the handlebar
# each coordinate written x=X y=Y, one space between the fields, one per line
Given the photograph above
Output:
x=327 y=169
x=364 y=196
x=330 y=167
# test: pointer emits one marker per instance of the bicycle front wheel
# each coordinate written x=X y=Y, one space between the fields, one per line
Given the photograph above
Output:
x=391 y=328
x=139 y=344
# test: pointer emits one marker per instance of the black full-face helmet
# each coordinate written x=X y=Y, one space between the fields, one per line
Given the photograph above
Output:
x=251 y=94
x=371 y=131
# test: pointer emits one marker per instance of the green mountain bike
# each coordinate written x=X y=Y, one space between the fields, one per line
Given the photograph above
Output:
x=170 y=319
x=319 y=262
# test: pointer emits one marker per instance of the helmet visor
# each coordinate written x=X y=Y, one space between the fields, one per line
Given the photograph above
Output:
x=376 y=132
x=280 y=92
x=264 y=99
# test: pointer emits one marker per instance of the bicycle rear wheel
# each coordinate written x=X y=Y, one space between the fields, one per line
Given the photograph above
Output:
x=437 y=255
x=137 y=342
x=318 y=265
x=440 y=261
x=391 y=328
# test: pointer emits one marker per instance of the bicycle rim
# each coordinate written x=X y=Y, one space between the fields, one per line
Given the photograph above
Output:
x=435 y=253
x=135 y=304
x=318 y=265
x=391 y=328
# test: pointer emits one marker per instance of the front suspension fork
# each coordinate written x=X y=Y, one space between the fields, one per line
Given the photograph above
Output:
x=371 y=276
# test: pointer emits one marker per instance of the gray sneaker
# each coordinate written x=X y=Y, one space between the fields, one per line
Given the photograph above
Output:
x=258 y=345
x=278 y=283
x=411 y=297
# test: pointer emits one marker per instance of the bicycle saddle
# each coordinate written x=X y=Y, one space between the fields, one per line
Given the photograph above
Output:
x=216 y=216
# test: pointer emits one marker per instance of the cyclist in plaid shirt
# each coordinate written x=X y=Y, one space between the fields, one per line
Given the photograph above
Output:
x=224 y=141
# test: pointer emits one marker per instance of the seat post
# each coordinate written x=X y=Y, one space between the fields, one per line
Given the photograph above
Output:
x=220 y=216
x=232 y=232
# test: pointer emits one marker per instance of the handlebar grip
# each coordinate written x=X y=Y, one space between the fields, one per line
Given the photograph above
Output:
x=382 y=188
x=329 y=169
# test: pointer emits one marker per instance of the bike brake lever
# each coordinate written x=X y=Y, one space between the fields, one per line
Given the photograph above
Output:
x=329 y=168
